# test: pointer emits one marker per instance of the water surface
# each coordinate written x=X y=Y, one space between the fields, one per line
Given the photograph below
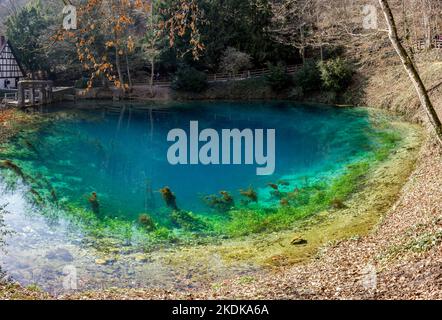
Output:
x=119 y=152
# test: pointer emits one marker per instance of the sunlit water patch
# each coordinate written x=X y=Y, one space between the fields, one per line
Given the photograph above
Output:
x=93 y=177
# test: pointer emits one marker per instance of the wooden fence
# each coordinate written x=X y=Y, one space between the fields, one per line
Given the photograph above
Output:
x=223 y=77
x=422 y=44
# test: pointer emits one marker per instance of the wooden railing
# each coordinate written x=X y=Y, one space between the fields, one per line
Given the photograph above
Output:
x=422 y=44
x=222 y=77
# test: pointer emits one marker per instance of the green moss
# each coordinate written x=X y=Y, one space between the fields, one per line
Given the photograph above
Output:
x=187 y=221
x=305 y=201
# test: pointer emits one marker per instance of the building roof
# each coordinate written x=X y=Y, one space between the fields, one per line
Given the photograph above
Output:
x=10 y=67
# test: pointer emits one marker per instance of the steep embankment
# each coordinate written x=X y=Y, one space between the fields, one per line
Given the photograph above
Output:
x=385 y=84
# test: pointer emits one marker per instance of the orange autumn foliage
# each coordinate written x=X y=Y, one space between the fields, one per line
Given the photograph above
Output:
x=115 y=19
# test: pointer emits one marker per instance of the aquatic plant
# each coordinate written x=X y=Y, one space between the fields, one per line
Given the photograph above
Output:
x=275 y=192
x=36 y=196
x=146 y=222
x=95 y=205
x=296 y=205
x=30 y=146
x=187 y=220
x=8 y=164
x=250 y=195
x=222 y=203
x=169 y=198
x=283 y=183
x=274 y=186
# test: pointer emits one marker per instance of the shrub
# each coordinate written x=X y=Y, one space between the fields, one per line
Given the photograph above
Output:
x=278 y=78
x=308 y=77
x=336 y=74
x=189 y=79
x=234 y=61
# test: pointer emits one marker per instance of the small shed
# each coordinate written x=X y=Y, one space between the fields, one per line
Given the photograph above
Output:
x=11 y=71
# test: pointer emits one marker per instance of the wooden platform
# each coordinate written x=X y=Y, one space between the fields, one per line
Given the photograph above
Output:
x=58 y=94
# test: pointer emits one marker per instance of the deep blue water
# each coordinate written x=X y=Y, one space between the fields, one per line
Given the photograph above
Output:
x=119 y=151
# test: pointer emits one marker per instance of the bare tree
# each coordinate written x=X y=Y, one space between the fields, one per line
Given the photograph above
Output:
x=411 y=70
x=293 y=23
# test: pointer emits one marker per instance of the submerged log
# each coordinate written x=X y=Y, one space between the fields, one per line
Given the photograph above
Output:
x=8 y=164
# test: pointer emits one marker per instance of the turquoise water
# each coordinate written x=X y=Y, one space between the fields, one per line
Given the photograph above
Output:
x=119 y=152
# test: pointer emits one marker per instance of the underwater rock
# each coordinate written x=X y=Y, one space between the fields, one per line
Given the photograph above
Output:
x=60 y=254
x=298 y=241
x=284 y=202
x=169 y=198
x=114 y=250
x=21 y=265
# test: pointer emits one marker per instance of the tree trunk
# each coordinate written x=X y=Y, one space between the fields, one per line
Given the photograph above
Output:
x=411 y=70
x=302 y=47
x=129 y=77
x=152 y=74
x=118 y=65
